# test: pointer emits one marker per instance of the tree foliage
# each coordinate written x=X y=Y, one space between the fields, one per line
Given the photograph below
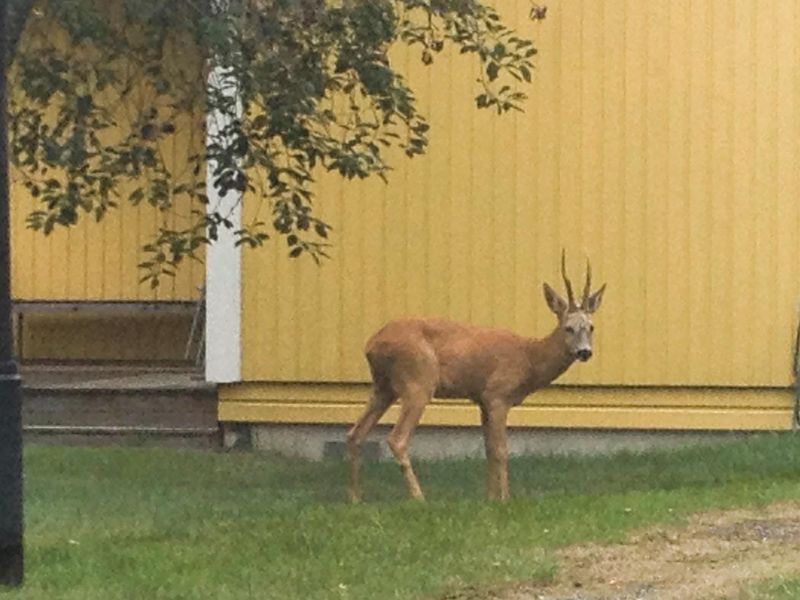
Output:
x=299 y=85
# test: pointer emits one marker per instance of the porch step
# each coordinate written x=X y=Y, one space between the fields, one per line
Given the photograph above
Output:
x=120 y=407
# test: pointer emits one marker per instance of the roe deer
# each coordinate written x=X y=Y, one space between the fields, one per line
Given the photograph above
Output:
x=414 y=360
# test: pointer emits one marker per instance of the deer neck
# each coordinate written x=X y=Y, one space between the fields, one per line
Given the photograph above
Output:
x=549 y=357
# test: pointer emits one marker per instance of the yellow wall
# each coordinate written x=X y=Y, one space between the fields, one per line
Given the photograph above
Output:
x=98 y=261
x=661 y=139
x=558 y=406
x=92 y=337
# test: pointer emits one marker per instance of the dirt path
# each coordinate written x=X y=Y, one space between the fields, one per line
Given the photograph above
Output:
x=716 y=556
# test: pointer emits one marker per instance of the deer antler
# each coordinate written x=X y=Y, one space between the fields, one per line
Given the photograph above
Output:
x=567 y=284
x=587 y=289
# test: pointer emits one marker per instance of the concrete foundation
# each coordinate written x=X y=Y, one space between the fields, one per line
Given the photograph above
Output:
x=315 y=442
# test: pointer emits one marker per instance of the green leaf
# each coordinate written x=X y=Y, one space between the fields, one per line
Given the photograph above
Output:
x=136 y=196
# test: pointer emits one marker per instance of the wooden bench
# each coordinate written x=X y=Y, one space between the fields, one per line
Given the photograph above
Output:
x=22 y=308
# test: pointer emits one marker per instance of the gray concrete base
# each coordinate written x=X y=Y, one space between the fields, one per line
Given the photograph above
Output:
x=315 y=442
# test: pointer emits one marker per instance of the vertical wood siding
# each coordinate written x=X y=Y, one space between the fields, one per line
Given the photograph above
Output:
x=99 y=261
x=660 y=139
x=93 y=261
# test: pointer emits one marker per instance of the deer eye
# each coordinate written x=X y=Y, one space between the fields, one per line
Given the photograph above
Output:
x=569 y=329
x=591 y=327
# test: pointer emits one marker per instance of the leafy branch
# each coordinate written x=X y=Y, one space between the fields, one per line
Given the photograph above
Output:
x=100 y=92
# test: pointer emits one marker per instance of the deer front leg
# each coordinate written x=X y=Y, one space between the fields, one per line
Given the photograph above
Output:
x=493 y=417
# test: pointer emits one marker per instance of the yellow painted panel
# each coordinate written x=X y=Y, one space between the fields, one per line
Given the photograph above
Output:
x=743 y=134
x=458 y=197
x=526 y=416
x=660 y=139
x=118 y=338
x=765 y=92
x=609 y=197
x=697 y=219
x=676 y=319
x=90 y=261
x=786 y=178
x=357 y=393
x=99 y=261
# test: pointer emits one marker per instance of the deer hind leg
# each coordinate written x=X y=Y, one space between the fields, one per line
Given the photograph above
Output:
x=413 y=402
x=379 y=402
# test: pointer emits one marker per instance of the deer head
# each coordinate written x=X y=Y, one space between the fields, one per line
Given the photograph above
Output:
x=575 y=320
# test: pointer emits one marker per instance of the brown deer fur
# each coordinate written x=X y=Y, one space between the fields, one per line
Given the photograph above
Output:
x=414 y=360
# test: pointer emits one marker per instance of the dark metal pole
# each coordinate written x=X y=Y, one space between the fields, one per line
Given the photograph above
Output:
x=11 y=562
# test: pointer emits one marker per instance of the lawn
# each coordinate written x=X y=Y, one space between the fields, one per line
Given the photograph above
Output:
x=781 y=589
x=151 y=523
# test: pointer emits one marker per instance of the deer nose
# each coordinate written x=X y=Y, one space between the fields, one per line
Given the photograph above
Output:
x=584 y=354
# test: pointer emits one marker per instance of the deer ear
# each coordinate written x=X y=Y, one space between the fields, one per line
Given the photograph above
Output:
x=593 y=302
x=556 y=303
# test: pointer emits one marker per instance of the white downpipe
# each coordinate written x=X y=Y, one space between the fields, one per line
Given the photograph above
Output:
x=223 y=264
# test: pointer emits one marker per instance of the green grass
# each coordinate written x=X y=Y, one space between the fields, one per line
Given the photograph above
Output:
x=139 y=523
x=782 y=588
